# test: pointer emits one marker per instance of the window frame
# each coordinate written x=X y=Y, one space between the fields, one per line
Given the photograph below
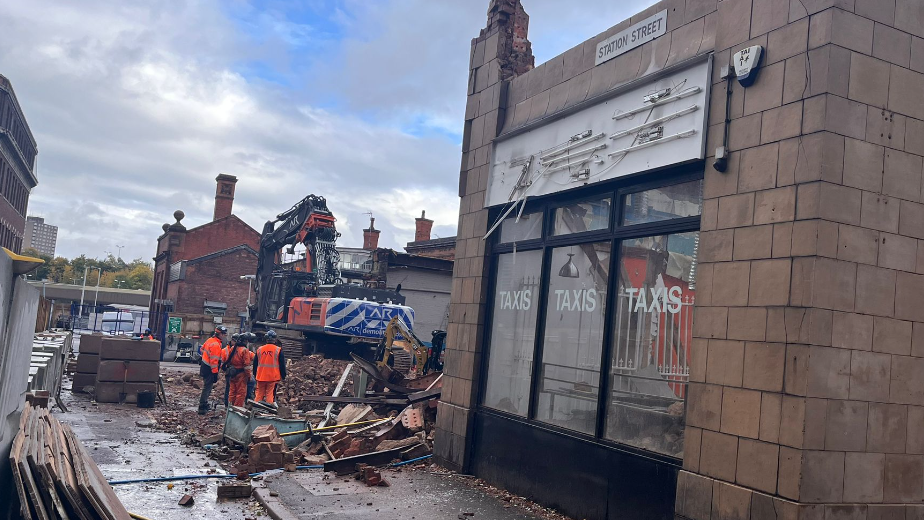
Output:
x=615 y=234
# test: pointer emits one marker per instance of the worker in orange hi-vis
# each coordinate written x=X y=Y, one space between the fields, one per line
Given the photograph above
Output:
x=240 y=361
x=209 y=365
x=270 y=368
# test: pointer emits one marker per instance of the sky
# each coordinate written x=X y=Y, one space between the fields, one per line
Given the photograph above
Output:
x=138 y=105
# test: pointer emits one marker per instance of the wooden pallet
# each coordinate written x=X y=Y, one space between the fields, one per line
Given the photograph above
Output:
x=54 y=475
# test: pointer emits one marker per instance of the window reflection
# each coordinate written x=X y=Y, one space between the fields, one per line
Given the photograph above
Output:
x=582 y=216
x=573 y=343
x=528 y=227
x=665 y=203
x=513 y=331
x=652 y=336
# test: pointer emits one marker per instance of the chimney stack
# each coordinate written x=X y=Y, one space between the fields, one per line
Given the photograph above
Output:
x=424 y=225
x=224 y=196
x=371 y=236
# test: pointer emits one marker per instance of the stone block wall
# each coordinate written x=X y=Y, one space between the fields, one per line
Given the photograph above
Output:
x=807 y=395
x=807 y=387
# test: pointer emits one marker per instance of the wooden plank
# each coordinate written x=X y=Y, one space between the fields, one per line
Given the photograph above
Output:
x=360 y=400
x=68 y=481
x=99 y=487
x=35 y=497
x=83 y=481
x=57 y=468
x=44 y=463
x=36 y=458
x=24 y=508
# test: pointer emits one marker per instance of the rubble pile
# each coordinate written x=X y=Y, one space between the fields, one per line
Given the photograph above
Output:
x=311 y=375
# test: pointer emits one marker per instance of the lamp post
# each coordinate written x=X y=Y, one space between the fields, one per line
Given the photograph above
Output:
x=84 y=288
x=250 y=278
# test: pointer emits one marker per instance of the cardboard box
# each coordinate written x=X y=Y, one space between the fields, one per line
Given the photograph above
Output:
x=113 y=392
x=128 y=371
x=124 y=349
x=81 y=381
x=90 y=343
x=88 y=363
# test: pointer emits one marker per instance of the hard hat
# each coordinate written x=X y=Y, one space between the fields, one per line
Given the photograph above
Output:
x=147 y=331
x=235 y=337
x=271 y=334
x=221 y=329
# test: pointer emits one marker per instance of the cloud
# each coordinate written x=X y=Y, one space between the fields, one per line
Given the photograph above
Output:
x=136 y=107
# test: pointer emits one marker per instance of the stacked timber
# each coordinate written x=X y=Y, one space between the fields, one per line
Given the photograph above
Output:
x=54 y=475
x=87 y=362
x=126 y=367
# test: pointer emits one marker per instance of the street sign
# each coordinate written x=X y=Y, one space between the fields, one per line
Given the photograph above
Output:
x=174 y=325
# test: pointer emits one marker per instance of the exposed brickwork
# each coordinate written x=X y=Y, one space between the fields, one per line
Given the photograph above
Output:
x=371 y=236
x=216 y=279
x=203 y=281
x=224 y=196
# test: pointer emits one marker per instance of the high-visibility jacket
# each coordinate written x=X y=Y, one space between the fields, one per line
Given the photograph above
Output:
x=240 y=357
x=268 y=363
x=211 y=353
x=148 y=336
x=226 y=353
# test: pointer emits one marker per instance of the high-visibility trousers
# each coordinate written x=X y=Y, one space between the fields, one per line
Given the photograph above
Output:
x=238 y=393
x=266 y=391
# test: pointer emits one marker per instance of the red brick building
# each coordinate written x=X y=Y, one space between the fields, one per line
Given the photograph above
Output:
x=17 y=168
x=423 y=245
x=197 y=272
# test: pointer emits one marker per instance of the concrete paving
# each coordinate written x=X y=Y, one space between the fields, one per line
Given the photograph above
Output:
x=124 y=447
x=411 y=494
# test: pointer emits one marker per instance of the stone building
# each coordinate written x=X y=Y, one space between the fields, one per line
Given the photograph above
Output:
x=17 y=168
x=197 y=271
x=685 y=294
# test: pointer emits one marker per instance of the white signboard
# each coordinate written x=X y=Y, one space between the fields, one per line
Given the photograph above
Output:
x=639 y=34
x=655 y=124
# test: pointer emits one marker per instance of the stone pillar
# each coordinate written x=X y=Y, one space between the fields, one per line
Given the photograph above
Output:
x=498 y=54
x=807 y=388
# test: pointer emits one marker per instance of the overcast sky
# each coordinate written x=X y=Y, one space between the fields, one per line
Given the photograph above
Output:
x=137 y=105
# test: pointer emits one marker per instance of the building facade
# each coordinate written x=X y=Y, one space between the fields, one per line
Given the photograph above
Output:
x=17 y=168
x=197 y=271
x=40 y=236
x=689 y=270
x=424 y=245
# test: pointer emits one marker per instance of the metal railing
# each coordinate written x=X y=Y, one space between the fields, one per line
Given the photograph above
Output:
x=89 y=318
x=657 y=338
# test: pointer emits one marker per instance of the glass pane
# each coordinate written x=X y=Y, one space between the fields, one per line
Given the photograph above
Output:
x=574 y=336
x=582 y=216
x=652 y=335
x=513 y=332
x=665 y=203
x=529 y=227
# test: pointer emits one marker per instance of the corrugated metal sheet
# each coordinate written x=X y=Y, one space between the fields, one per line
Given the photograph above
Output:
x=427 y=292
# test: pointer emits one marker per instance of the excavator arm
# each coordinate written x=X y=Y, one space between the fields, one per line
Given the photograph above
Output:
x=308 y=222
x=401 y=360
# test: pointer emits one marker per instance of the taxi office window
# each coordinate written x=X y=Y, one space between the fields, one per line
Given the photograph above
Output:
x=663 y=203
x=580 y=217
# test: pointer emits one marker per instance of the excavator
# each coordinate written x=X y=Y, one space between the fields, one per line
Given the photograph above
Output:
x=409 y=355
x=307 y=304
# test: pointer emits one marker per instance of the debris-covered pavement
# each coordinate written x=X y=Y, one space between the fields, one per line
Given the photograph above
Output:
x=375 y=466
